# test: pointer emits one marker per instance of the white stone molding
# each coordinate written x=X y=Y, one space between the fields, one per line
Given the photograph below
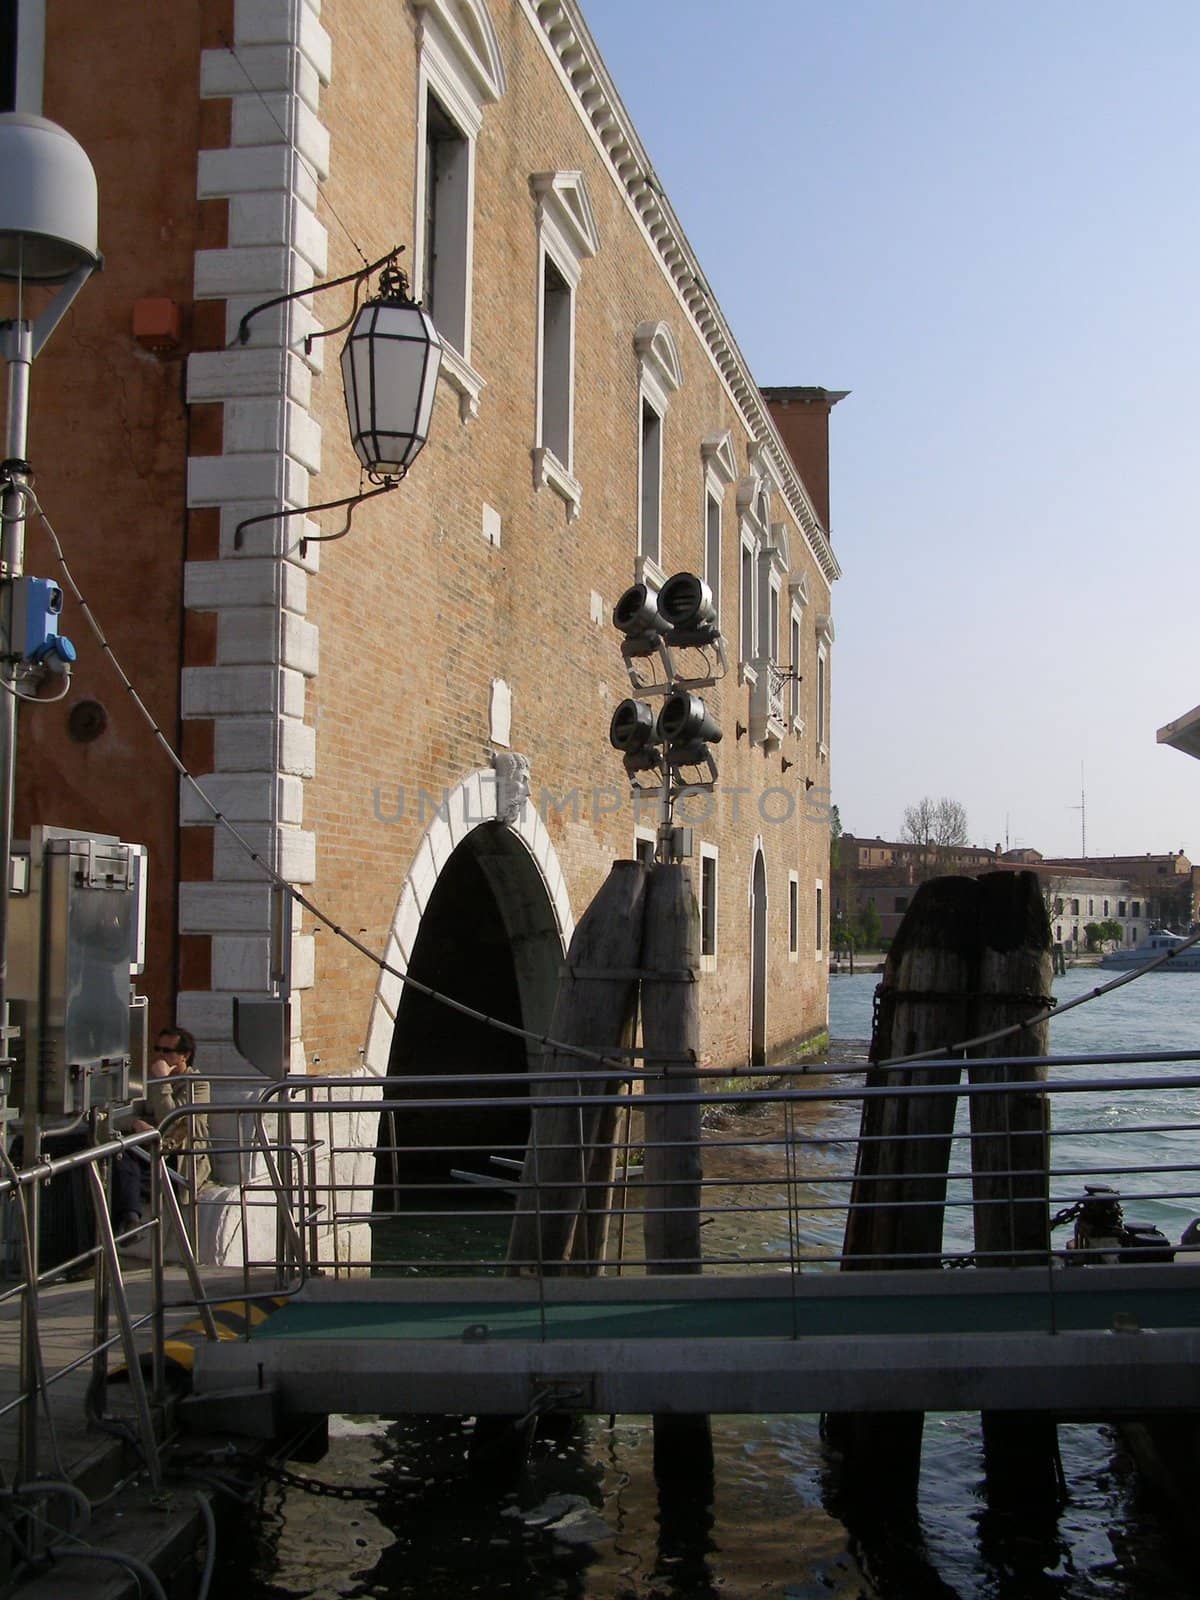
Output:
x=752 y=492
x=459 y=61
x=781 y=547
x=798 y=588
x=824 y=623
x=566 y=223
x=549 y=472
x=716 y=451
x=563 y=33
x=463 y=33
x=500 y=713
x=659 y=370
x=461 y=376
x=271 y=446
x=469 y=805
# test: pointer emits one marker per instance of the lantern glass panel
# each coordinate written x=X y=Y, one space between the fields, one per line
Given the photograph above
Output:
x=389 y=369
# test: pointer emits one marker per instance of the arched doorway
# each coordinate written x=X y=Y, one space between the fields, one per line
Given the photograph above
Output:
x=489 y=937
x=758 y=963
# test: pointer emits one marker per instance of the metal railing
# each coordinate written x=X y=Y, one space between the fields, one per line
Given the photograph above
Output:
x=114 y=1323
x=424 y=1175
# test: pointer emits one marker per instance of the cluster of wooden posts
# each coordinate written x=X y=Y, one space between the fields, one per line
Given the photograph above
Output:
x=973 y=956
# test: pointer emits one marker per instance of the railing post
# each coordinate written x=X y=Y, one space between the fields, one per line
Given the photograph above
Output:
x=137 y=1383
x=27 y=1437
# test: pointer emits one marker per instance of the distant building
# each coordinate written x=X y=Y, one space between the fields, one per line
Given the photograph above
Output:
x=1135 y=891
x=1168 y=885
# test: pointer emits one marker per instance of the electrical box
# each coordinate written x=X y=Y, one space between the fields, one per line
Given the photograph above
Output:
x=36 y=606
x=75 y=938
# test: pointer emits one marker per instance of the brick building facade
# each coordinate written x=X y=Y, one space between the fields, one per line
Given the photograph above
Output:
x=353 y=705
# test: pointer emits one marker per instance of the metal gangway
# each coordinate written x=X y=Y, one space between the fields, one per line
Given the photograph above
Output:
x=385 y=1211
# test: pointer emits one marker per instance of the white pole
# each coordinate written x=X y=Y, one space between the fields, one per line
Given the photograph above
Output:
x=18 y=352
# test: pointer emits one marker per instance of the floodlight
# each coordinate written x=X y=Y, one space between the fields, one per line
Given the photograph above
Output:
x=685 y=719
x=632 y=726
x=636 y=613
x=686 y=603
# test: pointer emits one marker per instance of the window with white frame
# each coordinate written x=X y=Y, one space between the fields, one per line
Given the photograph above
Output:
x=793 y=917
x=460 y=73
x=644 y=844
x=557 y=364
x=753 y=506
x=720 y=470
x=824 y=642
x=659 y=376
x=712 y=548
x=567 y=238
x=794 y=637
x=820 y=911
x=748 y=610
x=446 y=224
x=650 y=484
x=708 y=907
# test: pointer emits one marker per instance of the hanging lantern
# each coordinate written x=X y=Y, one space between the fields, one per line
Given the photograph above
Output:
x=390 y=367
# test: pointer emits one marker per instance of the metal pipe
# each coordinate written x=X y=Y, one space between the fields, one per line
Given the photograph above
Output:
x=137 y=1382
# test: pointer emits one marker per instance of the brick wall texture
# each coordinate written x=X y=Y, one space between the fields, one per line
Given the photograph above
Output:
x=373 y=657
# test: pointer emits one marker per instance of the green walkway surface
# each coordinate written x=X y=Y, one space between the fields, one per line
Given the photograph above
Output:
x=846 y=1316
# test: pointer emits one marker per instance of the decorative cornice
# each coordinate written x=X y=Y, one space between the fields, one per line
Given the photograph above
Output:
x=568 y=40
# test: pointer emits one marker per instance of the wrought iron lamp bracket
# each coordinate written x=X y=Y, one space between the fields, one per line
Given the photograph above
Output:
x=393 y=284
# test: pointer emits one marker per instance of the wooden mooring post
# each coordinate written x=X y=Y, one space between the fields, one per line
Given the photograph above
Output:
x=973 y=955
x=562 y=1201
x=672 y=1159
x=639 y=938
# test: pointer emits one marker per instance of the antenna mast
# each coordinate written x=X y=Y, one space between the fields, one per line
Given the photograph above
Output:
x=1082 y=810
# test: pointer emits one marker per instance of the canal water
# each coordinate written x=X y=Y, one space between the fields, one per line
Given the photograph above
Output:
x=588 y=1522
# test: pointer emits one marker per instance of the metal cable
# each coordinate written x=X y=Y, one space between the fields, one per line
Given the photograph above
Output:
x=269 y=872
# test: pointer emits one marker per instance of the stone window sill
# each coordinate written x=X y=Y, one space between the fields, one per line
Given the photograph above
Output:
x=549 y=472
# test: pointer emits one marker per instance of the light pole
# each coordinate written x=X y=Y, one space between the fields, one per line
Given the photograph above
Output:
x=48 y=215
x=680 y=617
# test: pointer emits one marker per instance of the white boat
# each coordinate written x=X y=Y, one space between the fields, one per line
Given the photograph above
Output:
x=1157 y=943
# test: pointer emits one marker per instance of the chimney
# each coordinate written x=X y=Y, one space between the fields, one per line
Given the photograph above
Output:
x=802 y=417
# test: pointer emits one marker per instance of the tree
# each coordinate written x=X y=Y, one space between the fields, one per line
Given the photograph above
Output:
x=935 y=824
x=1111 y=930
x=835 y=838
x=869 y=927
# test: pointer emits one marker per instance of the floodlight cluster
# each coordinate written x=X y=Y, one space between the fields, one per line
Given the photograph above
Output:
x=658 y=630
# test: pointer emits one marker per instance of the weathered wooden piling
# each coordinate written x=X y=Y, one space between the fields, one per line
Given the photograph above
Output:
x=671 y=1041
x=570 y=1148
x=903 y=1155
x=672 y=1159
x=1010 y=1151
x=972 y=956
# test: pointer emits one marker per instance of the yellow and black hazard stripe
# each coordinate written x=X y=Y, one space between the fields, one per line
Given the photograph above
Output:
x=234 y=1319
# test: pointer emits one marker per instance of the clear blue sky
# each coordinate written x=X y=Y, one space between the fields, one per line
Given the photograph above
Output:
x=982 y=219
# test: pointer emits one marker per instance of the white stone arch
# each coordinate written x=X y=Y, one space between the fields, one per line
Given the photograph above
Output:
x=467 y=807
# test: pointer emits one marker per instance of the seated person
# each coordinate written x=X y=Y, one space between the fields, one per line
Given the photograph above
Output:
x=186 y=1140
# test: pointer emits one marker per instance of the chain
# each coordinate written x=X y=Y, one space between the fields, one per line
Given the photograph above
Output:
x=296 y=1480
x=329 y=1491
